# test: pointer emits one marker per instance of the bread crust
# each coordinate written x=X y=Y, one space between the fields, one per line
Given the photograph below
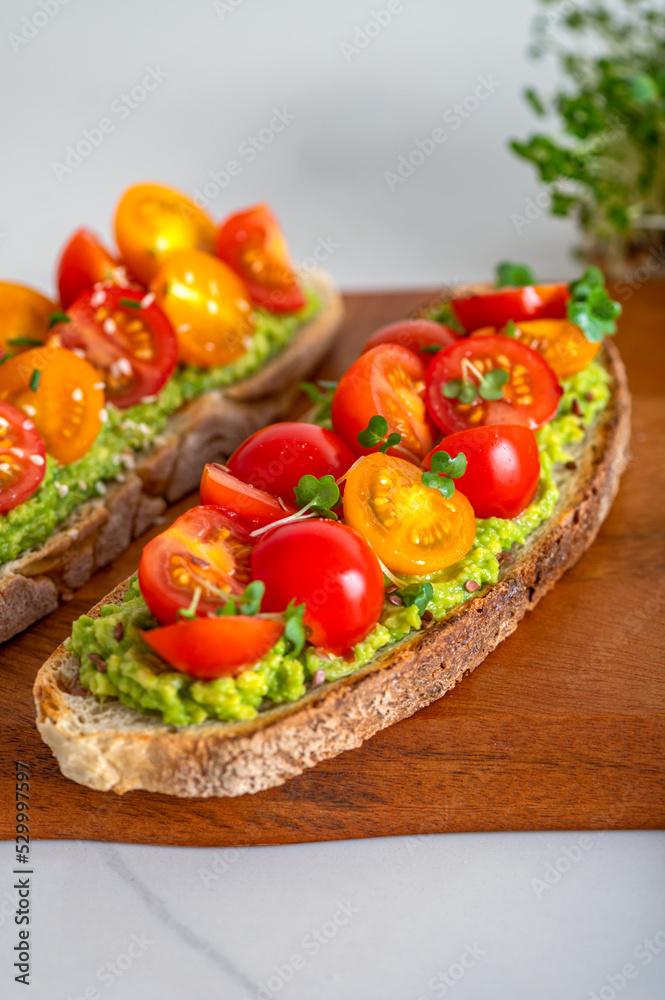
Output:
x=206 y=430
x=114 y=748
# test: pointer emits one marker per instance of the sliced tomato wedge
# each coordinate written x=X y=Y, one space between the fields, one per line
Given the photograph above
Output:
x=561 y=343
x=24 y=317
x=126 y=336
x=242 y=503
x=495 y=308
x=22 y=458
x=202 y=552
x=85 y=261
x=251 y=242
x=388 y=380
x=411 y=527
x=60 y=393
x=530 y=396
x=215 y=647
x=422 y=336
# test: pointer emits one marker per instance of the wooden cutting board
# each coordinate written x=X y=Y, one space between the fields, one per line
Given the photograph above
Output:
x=562 y=727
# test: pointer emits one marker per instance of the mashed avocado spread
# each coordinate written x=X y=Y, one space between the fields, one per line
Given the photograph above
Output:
x=140 y=679
x=131 y=431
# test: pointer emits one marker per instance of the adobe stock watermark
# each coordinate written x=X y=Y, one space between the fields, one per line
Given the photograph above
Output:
x=223 y=861
x=554 y=871
x=246 y=152
x=323 y=250
x=109 y=973
x=652 y=264
x=444 y=981
x=121 y=108
x=408 y=163
x=375 y=25
x=224 y=7
x=310 y=945
x=33 y=23
x=615 y=982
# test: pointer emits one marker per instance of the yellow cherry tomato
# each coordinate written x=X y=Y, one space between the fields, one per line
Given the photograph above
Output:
x=562 y=344
x=24 y=317
x=412 y=528
x=208 y=305
x=61 y=394
x=153 y=221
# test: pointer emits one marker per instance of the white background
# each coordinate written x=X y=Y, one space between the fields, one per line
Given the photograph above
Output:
x=415 y=904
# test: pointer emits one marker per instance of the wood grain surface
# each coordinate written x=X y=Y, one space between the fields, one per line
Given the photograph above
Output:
x=562 y=727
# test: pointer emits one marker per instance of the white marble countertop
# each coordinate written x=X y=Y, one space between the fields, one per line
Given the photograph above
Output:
x=188 y=88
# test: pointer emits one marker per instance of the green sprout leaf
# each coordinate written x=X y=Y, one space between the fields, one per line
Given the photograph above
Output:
x=294 y=629
x=509 y=329
x=420 y=598
x=444 y=313
x=514 y=275
x=468 y=393
x=492 y=384
x=590 y=306
x=321 y=394
x=131 y=303
x=321 y=495
x=24 y=342
x=431 y=349
x=58 y=317
x=452 y=388
x=444 y=470
x=34 y=379
x=376 y=433
x=249 y=602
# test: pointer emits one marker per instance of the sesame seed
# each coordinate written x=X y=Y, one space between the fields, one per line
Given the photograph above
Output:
x=184 y=327
x=109 y=325
x=79 y=352
x=149 y=399
x=77 y=395
x=128 y=460
x=5 y=467
x=99 y=385
x=28 y=425
x=37 y=460
x=570 y=465
x=28 y=410
x=98 y=298
x=17 y=451
x=147 y=300
x=100 y=487
x=62 y=489
x=73 y=533
x=82 y=485
x=103 y=415
x=144 y=429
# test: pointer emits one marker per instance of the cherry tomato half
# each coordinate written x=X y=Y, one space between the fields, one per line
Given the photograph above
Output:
x=24 y=317
x=22 y=460
x=242 y=503
x=215 y=647
x=496 y=307
x=202 y=549
x=530 y=396
x=388 y=380
x=422 y=336
x=133 y=347
x=561 y=343
x=251 y=243
x=411 y=527
x=85 y=261
x=153 y=221
x=275 y=459
x=208 y=306
x=332 y=570
x=502 y=471
x=61 y=393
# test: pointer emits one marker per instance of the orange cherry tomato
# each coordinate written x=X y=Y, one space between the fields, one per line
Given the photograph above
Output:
x=22 y=461
x=85 y=261
x=208 y=305
x=561 y=343
x=24 y=317
x=251 y=243
x=61 y=393
x=412 y=528
x=153 y=221
x=202 y=550
x=215 y=647
x=388 y=380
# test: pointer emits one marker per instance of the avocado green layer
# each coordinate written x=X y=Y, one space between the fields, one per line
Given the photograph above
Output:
x=136 y=676
x=130 y=431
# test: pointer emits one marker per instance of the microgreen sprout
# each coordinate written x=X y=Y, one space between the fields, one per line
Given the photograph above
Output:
x=34 y=379
x=317 y=495
x=420 y=598
x=58 y=317
x=509 y=329
x=590 y=306
x=444 y=470
x=190 y=612
x=294 y=628
x=131 y=303
x=24 y=342
x=490 y=385
x=514 y=275
x=376 y=433
x=249 y=602
x=321 y=394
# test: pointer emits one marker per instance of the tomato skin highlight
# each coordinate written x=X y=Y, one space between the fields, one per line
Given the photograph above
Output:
x=530 y=397
x=414 y=334
x=85 y=261
x=332 y=570
x=202 y=548
x=503 y=467
x=411 y=527
x=252 y=244
x=388 y=380
x=275 y=458
x=24 y=314
x=495 y=308
x=22 y=458
x=243 y=503
x=215 y=647
x=112 y=334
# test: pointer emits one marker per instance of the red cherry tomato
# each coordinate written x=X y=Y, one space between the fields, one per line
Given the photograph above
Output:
x=332 y=570
x=275 y=459
x=495 y=308
x=422 y=336
x=251 y=243
x=132 y=346
x=85 y=261
x=202 y=550
x=22 y=457
x=388 y=380
x=502 y=471
x=242 y=503
x=530 y=396
x=215 y=647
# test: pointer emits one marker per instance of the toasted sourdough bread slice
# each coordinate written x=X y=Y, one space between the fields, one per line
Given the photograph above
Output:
x=206 y=430
x=112 y=747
